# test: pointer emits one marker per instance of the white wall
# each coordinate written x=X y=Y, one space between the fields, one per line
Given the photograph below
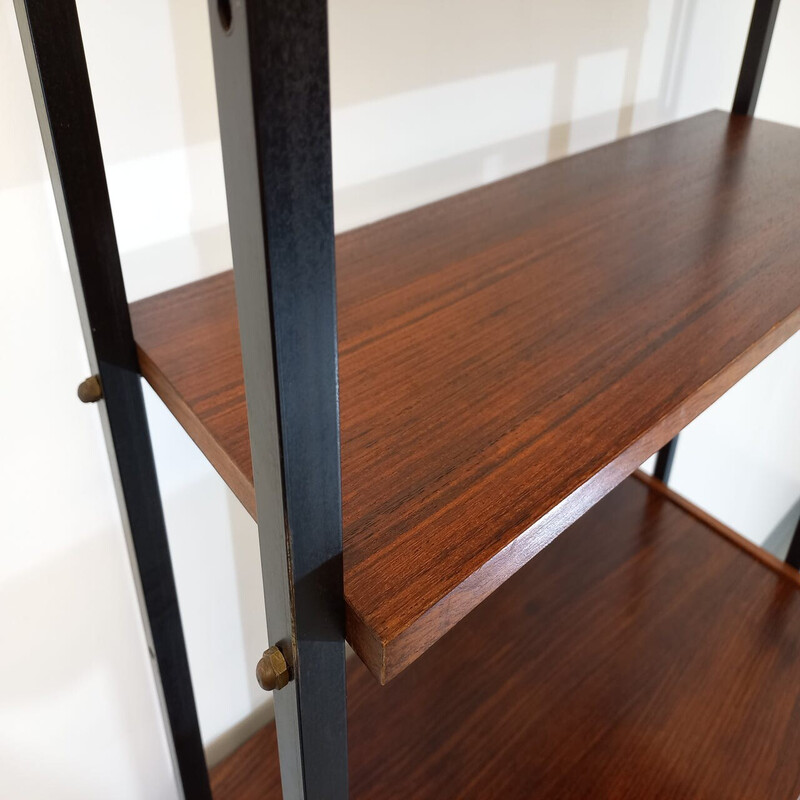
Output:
x=430 y=97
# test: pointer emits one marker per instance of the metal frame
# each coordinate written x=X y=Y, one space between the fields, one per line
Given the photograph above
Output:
x=51 y=39
x=754 y=63
x=664 y=459
x=793 y=554
x=271 y=67
x=754 y=60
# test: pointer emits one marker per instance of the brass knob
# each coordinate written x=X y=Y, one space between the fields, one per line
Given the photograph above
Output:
x=272 y=671
x=90 y=390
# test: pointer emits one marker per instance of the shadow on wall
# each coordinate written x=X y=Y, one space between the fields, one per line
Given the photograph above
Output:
x=429 y=99
x=448 y=95
x=380 y=49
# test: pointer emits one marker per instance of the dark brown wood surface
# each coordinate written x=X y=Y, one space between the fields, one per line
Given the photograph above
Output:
x=644 y=654
x=509 y=355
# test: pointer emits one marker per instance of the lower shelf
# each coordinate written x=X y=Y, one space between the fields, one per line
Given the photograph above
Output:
x=648 y=652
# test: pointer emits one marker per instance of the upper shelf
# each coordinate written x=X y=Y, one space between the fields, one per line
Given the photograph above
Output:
x=508 y=355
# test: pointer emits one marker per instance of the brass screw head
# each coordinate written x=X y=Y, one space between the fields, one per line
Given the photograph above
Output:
x=90 y=390
x=272 y=671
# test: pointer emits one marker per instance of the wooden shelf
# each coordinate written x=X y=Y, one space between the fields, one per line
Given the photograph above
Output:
x=646 y=653
x=509 y=355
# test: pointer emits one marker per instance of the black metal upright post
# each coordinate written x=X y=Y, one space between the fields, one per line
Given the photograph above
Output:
x=664 y=459
x=51 y=39
x=793 y=554
x=271 y=67
x=765 y=12
x=754 y=61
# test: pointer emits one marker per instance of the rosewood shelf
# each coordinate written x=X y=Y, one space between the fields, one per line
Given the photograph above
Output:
x=509 y=355
x=648 y=652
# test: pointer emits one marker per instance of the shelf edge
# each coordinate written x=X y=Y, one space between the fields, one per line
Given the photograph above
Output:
x=230 y=473
x=766 y=558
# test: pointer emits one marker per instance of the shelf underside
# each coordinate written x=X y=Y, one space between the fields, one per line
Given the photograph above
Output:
x=509 y=355
x=645 y=654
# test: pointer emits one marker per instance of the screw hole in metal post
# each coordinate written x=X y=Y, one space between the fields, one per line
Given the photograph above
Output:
x=225 y=14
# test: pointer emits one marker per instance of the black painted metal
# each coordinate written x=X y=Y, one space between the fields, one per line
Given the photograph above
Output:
x=53 y=48
x=271 y=67
x=793 y=555
x=754 y=61
x=664 y=459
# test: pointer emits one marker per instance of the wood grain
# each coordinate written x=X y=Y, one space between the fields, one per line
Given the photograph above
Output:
x=642 y=655
x=509 y=355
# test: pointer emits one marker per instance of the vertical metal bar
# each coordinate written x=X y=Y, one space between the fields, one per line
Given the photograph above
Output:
x=51 y=39
x=271 y=67
x=793 y=555
x=664 y=459
x=754 y=61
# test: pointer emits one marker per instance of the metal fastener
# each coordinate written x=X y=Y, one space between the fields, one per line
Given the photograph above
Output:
x=272 y=671
x=90 y=390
